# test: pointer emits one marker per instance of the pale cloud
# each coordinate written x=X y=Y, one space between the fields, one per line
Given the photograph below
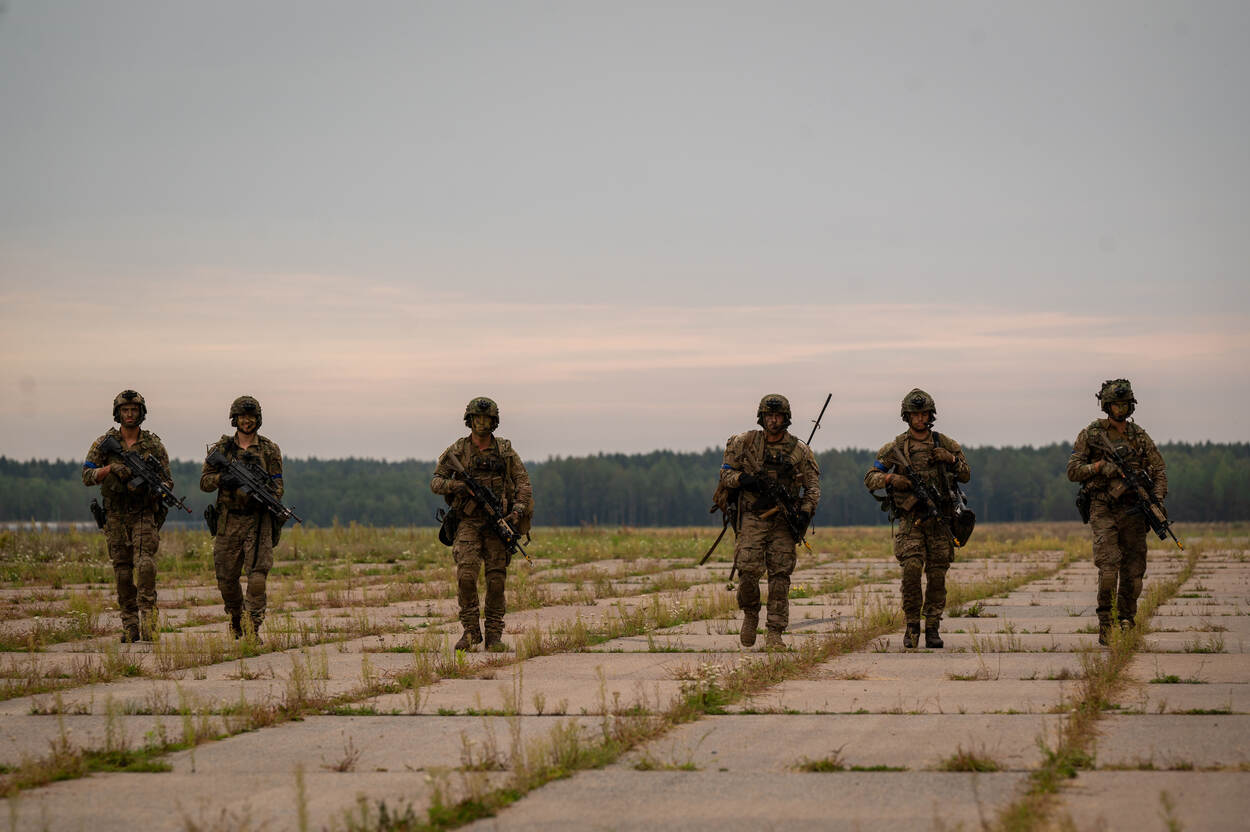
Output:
x=575 y=377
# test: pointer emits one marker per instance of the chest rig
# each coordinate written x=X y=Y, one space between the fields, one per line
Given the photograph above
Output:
x=489 y=468
x=778 y=463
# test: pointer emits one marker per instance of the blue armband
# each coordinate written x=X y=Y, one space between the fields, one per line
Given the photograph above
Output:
x=275 y=476
x=880 y=466
x=90 y=464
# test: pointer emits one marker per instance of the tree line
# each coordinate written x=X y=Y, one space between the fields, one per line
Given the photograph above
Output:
x=1208 y=482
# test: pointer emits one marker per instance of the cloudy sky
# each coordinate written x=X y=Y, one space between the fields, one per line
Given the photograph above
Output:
x=625 y=222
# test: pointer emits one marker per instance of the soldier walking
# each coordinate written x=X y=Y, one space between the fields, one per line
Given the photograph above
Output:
x=492 y=462
x=245 y=533
x=764 y=543
x=133 y=517
x=1115 y=517
x=924 y=541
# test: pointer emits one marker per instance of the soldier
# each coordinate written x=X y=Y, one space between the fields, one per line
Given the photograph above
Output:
x=133 y=518
x=924 y=543
x=1118 y=525
x=492 y=462
x=764 y=542
x=245 y=531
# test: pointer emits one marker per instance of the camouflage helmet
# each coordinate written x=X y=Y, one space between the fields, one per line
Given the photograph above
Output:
x=129 y=397
x=481 y=406
x=1116 y=390
x=244 y=404
x=773 y=403
x=918 y=401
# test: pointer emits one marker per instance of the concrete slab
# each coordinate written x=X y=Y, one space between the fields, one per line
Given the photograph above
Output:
x=1174 y=741
x=624 y=800
x=1211 y=667
x=906 y=696
x=779 y=742
x=921 y=664
x=1132 y=800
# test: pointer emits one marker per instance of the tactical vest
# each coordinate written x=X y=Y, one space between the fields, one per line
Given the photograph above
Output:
x=1129 y=445
x=116 y=495
x=780 y=463
x=935 y=474
x=263 y=450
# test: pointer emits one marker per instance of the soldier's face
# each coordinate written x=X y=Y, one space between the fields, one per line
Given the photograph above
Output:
x=246 y=422
x=481 y=424
x=918 y=420
x=773 y=422
x=129 y=414
x=1119 y=411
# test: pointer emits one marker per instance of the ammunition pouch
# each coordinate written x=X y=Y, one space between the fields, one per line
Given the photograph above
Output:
x=210 y=518
x=97 y=511
x=1083 y=501
x=1116 y=489
x=448 y=521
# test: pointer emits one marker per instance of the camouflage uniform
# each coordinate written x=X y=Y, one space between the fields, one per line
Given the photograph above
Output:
x=922 y=545
x=245 y=530
x=132 y=529
x=1119 y=527
x=499 y=468
x=766 y=545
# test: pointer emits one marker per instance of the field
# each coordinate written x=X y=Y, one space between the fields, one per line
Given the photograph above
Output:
x=624 y=701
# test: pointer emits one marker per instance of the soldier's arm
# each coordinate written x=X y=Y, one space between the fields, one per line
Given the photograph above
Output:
x=810 y=474
x=878 y=475
x=1080 y=468
x=210 y=476
x=731 y=463
x=963 y=472
x=1157 y=469
x=275 y=472
x=92 y=465
x=523 y=502
x=162 y=456
x=442 y=482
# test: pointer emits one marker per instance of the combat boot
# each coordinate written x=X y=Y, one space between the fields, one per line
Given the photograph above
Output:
x=911 y=638
x=1104 y=634
x=494 y=644
x=931 y=637
x=470 y=639
x=236 y=625
x=772 y=641
x=750 y=623
x=130 y=633
x=256 y=622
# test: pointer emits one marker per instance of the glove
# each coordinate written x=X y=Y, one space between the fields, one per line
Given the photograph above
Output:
x=899 y=483
x=748 y=481
x=943 y=455
x=803 y=519
x=1109 y=469
x=458 y=486
x=228 y=480
x=512 y=519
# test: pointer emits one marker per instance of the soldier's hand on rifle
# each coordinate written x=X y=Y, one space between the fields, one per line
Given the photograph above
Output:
x=228 y=480
x=458 y=486
x=803 y=519
x=748 y=481
x=120 y=471
x=943 y=455
x=512 y=519
x=1107 y=468
x=898 y=482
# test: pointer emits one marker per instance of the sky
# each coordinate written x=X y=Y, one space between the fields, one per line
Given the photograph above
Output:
x=624 y=222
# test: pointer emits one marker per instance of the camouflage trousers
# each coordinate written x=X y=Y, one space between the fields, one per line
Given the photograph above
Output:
x=243 y=546
x=1120 y=555
x=924 y=548
x=765 y=547
x=475 y=547
x=133 y=539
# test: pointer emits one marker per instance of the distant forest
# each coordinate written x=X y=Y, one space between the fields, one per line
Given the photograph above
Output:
x=1209 y=482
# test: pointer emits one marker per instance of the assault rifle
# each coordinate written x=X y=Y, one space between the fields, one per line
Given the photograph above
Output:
x=145 y=472
x=1139 y=483
x=493 y=507
x=253 y=481
x=924 y=492
x=772 y=491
